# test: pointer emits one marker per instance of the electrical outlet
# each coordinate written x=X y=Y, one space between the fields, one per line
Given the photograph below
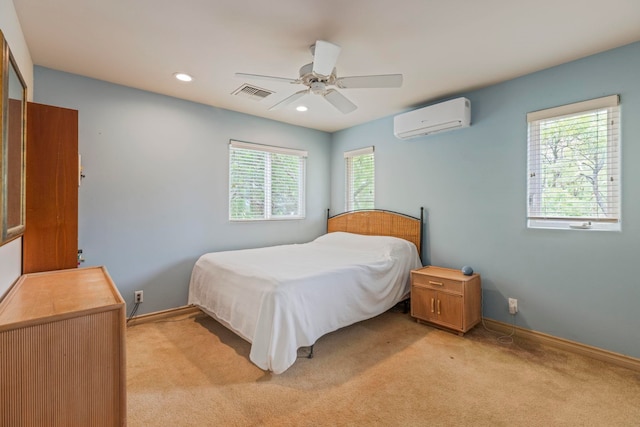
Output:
x=137 y=296
x=513 y=306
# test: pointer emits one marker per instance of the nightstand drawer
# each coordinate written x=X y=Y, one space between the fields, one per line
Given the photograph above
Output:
x=437 y=283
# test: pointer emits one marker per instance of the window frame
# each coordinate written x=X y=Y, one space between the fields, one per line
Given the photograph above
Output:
x=349 y=157
x=270 y=151
x=535 y=219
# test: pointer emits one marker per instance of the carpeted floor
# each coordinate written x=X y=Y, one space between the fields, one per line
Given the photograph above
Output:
x=386 y=371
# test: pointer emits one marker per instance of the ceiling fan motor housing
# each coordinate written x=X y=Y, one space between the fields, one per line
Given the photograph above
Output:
x=307 y=76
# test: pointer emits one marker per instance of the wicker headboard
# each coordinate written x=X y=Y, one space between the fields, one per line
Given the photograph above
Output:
x=379 y=223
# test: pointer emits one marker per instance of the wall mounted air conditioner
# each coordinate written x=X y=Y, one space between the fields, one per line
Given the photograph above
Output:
x=441 y=117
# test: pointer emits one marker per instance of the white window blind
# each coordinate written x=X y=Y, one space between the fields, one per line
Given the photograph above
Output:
x=574 y=165
x=266 y=182
x=360 y=179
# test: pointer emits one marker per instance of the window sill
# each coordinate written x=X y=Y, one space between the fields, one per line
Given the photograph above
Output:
x=573 y=225
x=288 y=218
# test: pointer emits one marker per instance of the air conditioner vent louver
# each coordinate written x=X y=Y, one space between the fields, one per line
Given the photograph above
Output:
x=252 y=92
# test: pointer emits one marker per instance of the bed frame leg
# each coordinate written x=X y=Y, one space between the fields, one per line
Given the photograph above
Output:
x=310 y=356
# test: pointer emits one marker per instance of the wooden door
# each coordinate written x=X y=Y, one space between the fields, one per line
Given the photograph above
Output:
x=50 y=240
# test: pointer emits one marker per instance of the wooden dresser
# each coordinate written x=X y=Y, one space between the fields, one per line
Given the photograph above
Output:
x=62 y=350
x=446 y=297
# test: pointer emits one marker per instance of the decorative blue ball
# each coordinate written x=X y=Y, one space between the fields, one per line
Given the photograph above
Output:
x=467 y=271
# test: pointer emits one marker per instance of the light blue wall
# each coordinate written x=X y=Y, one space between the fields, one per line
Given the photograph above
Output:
x=579 y=285
x=155 y=193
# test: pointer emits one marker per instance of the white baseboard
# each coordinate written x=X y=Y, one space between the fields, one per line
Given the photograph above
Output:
x=563 y=344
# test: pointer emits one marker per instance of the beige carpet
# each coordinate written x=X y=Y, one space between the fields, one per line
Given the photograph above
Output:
x=387 y=371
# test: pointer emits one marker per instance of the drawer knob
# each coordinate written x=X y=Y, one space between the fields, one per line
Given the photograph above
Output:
x=436 y=283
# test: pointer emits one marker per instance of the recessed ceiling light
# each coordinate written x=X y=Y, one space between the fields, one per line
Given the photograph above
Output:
x=301 y=108
x=183 y=77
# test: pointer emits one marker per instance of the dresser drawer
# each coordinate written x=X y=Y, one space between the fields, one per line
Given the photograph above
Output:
x=438 y=283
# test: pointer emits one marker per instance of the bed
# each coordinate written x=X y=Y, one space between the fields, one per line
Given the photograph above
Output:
x=283 y=298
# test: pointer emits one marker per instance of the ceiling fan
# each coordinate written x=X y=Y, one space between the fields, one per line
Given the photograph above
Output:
x=319 y=75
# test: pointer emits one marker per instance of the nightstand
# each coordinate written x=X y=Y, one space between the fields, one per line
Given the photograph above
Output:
x=446 y=297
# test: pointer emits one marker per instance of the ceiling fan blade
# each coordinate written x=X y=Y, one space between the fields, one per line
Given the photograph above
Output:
x=325 y=56
x=379 y=81
x=271 y=78
x=339 y=101
x=288 y=100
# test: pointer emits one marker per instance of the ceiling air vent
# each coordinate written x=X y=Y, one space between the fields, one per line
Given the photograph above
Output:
x=252 y=92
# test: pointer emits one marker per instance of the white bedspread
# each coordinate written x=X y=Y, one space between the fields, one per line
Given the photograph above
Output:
x=285 y=297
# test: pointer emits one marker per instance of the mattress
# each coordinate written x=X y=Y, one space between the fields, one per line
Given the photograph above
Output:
x=281 y=298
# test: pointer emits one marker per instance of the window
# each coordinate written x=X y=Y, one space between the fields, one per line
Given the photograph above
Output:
x=360 y=171
x=574 y=166
x=265 y=182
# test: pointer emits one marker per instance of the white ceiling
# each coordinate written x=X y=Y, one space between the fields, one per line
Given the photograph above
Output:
x=441 y=47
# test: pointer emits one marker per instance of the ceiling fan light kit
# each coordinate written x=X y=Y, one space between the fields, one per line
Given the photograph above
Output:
x=320 y=74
